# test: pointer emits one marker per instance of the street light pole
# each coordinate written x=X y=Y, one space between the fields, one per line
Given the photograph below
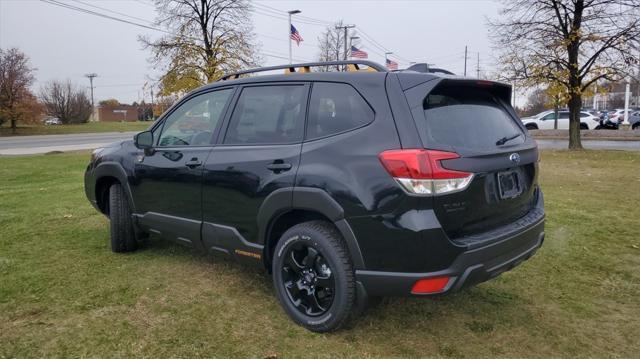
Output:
x=291 y=12
x=627 y=91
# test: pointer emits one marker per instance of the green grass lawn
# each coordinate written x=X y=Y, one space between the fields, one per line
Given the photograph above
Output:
x=63 y=293
x=24 y=130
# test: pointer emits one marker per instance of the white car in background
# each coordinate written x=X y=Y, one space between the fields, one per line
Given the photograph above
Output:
x=545 y=120
x=52 y=121
x=618 y=115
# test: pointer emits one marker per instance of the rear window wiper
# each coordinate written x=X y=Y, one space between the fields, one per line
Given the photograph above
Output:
x=506 y=139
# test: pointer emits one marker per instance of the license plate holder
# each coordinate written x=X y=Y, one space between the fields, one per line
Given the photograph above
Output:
x=509 y=184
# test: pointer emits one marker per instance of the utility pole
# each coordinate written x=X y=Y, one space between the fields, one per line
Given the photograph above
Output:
x=346 y=37
x=91 y=76
x=465 y=61
x=478 y=66
x=291 y=12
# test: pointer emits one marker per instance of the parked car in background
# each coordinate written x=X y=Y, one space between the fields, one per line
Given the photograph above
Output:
x=634 y=120
x=617 y=115
x=545 y=121
x=52 y=121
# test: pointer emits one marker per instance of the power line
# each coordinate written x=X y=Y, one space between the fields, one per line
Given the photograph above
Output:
x=112 y=11
x=302 y=19
x=95 y=13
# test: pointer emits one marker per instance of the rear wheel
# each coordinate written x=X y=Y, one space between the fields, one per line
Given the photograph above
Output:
x=530 y=126
x=583 y=126
x=636 y=126
x=123 y=238
x=313 y=276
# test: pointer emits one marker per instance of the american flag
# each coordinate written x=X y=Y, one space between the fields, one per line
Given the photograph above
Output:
x=392 y=65
x=295 y=35
x=355 y=52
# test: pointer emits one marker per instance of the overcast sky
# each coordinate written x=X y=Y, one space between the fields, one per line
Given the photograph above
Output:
x=64 y=43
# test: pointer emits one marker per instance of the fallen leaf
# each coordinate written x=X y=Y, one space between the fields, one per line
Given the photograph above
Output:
x=68 y=215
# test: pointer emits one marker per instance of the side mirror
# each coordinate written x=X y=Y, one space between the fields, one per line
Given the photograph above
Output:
x=144 y=140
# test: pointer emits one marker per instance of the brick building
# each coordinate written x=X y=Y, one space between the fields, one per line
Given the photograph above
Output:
x=129 y=113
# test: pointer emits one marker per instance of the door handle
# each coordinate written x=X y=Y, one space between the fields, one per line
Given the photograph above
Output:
x=279 y=167
x=193 y=163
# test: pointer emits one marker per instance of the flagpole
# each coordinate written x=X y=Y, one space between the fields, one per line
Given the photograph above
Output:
x=291 y=12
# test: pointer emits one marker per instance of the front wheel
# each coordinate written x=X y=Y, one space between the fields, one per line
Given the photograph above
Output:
x=123 y=238
x=313 y=276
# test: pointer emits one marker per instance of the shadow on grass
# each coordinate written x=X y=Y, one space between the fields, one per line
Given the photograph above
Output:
x=480 y=308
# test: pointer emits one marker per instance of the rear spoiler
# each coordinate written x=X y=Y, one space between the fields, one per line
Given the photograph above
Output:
x=499 y=89
x=417 y=87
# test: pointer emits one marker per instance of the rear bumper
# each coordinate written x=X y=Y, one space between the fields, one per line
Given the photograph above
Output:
x=475 y=265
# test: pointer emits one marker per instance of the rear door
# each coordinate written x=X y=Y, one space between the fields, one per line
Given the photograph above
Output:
x=256 y=155
x=475 y=120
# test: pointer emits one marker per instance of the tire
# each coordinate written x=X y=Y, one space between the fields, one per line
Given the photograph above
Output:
x=583 y=126
x=123 y=238
x=531 y=127
x=316 y=290
x=636 y=126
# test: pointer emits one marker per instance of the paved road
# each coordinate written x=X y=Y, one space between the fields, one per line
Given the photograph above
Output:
x=592 y=145
x=27 y=145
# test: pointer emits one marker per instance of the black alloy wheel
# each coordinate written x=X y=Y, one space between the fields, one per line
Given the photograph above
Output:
x=313 y=276
x=308 y=280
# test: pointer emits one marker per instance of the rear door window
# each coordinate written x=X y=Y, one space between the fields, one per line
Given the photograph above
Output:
x=335 y=108
x=268 y=115
x=468 y=117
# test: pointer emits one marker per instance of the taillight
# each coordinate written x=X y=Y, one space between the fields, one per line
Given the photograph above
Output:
x=420 y=171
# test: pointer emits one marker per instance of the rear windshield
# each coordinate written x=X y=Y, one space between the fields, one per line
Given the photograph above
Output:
x=469 y=117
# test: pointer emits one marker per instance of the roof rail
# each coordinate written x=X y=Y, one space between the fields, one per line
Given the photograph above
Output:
x=351 y=65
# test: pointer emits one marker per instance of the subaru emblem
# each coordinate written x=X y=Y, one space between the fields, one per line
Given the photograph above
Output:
x=515 y=158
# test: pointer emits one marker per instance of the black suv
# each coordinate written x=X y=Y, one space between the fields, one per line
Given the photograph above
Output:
x=345 y=185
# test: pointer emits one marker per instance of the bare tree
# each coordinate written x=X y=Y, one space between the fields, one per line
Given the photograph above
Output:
x=331 y=45
x=66 y=102
x=16 y=75
x=537 y=101
x=567 y=44
x=206 y=38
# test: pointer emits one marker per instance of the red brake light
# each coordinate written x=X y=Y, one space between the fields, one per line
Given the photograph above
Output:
x=430 y=285
x=419 y=164
x=420 y=171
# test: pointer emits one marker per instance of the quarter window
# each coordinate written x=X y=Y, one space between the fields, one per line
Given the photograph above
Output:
x=268 y=115
x=193 y=123
x=336 y=108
